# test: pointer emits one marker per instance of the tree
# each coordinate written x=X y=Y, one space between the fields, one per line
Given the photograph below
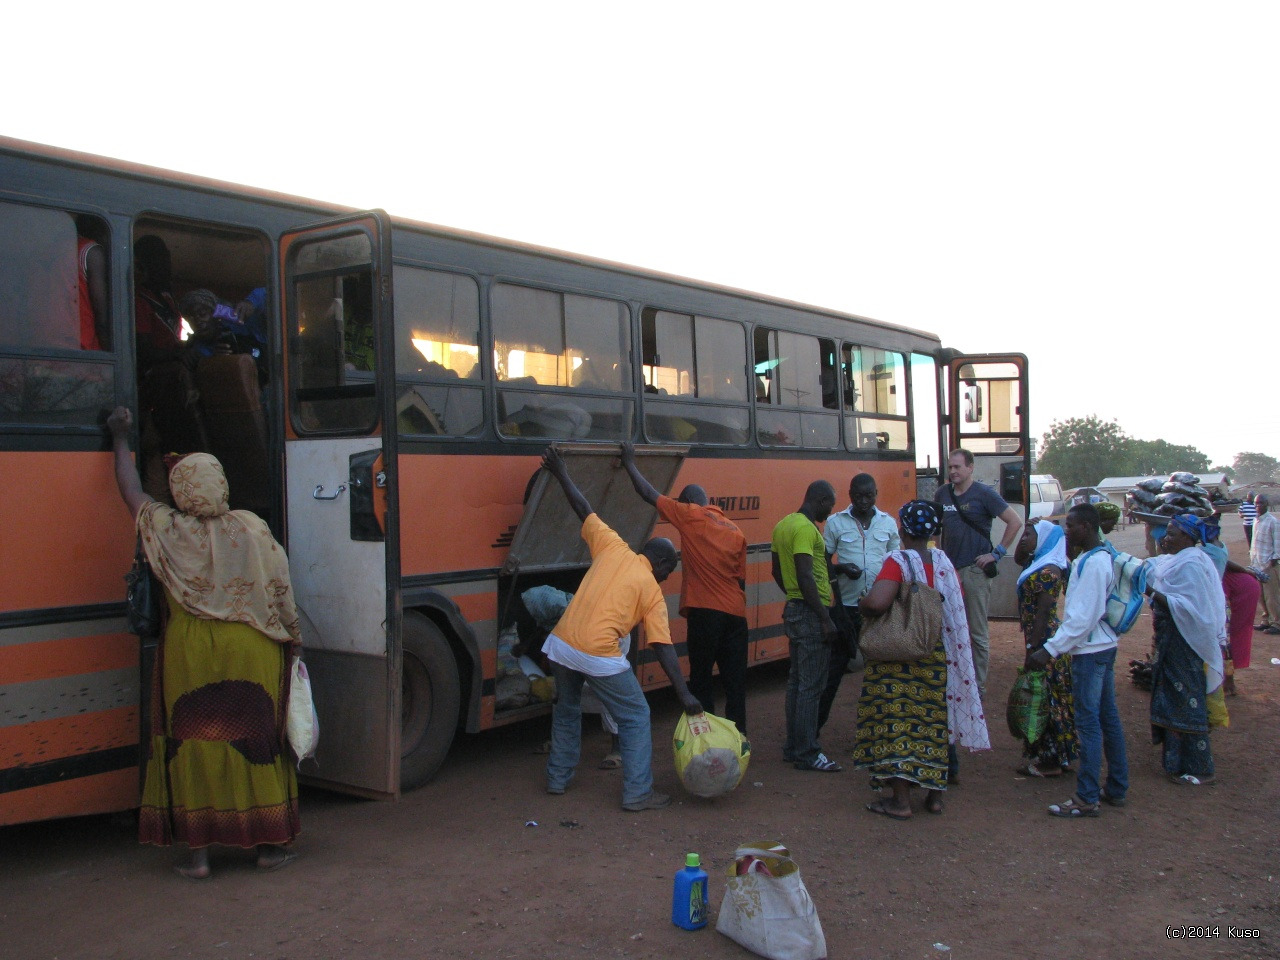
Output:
x=1229 y=472
x=1083 y=450
x=1150 y=457
x=1256 y=466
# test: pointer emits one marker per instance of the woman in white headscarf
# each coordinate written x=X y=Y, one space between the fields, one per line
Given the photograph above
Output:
x=1043 y=552
x=1190 y=617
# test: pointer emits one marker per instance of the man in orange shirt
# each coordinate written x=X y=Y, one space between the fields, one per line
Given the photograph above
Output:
x=712 y=597
x=619 y=591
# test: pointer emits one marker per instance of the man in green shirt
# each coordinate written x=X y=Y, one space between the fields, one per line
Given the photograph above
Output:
x=800 y=571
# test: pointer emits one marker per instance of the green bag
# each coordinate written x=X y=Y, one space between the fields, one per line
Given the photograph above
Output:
x=1028 y=712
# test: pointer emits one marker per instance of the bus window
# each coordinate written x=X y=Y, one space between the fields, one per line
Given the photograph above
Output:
x=576 y=344
x=875 y=392
x=927 y=438
x=438 y=388
x=799 y=372
x=54 y=366
x=333 y=357
x=693 y=368
x=990 y=397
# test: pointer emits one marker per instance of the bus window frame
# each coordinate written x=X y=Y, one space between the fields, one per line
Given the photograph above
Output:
x=114 y=356
x=377 y=379
x=629 y=394
x=745 y=404
x=836 y=413
x=908 y=388
x=484 y=384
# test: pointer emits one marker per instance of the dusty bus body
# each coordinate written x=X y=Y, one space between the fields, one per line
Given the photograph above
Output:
x=411 y=378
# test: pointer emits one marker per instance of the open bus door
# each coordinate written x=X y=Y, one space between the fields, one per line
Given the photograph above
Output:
x=341 y=509
x=988 y=416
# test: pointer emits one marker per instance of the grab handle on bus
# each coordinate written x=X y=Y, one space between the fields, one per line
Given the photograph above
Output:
x=316 y=493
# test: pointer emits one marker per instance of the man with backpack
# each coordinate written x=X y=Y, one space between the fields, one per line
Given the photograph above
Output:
x=1091 y=641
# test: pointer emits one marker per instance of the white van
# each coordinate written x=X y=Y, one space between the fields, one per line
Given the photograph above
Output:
x=1046 y=498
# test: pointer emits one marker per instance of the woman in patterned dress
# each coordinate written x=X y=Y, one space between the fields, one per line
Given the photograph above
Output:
x=219 y=770
x=1042 y=551
x=910 y=710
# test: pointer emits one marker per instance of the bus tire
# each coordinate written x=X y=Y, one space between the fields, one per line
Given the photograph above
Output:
x=430 y=696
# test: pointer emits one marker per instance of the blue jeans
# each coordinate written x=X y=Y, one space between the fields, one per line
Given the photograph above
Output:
x=1093 y=680
x=625 y=701
x=805 y=682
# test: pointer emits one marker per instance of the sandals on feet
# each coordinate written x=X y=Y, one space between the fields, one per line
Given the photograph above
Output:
x=1073 y=810
x=880 y=808
x=933 y=802
x=1111 y=801
x=612 y=761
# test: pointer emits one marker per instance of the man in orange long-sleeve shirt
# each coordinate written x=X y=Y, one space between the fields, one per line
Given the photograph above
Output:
x=712 y=597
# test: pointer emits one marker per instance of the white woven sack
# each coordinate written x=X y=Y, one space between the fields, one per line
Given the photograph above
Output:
x=768 y=910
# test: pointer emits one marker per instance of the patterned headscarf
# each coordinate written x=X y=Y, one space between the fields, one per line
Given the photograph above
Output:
x=219 y=564
x=920 y=518
x=199 y=486
x=1191 y=525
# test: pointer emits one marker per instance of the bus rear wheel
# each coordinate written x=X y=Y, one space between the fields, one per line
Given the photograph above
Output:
x=430 y=697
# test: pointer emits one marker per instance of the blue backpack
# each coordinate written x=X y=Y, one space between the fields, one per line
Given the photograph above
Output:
x=1128 y=587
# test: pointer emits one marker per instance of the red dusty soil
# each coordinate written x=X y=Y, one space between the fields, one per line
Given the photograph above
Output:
x=453 y=870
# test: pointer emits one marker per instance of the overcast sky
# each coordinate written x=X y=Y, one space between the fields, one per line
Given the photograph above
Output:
x=1094 y=185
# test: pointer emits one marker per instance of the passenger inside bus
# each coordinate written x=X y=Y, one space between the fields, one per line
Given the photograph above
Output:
x=201 y=366
x=94 y=303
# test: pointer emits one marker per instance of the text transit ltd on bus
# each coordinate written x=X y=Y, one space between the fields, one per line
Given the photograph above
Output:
x=385 y=395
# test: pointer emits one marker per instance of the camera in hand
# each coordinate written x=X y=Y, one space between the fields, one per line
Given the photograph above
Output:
x=992 y=570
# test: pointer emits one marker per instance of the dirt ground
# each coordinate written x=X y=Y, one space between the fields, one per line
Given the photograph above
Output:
x=483 y=863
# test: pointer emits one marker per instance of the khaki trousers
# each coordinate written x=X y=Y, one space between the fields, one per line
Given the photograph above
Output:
x=977 y=597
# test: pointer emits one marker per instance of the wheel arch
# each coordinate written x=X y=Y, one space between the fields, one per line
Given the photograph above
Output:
x=444 y=613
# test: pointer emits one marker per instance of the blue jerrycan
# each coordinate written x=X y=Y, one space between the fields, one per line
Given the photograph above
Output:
x=689 y=895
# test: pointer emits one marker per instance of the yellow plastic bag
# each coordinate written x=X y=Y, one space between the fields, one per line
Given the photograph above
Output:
x=711 y=755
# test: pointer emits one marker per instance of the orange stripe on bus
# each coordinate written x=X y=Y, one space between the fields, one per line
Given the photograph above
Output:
x=100 y=793
x=44 y=740
x=67 y=657
x=477 y=606
x=67 y=537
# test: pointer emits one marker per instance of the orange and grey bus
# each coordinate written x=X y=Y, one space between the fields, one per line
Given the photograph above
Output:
x=389 y=431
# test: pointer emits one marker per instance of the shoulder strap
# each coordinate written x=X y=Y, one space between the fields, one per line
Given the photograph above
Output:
x=951 y=492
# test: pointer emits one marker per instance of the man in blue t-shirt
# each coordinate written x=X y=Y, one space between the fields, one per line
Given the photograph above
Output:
x=968 y=545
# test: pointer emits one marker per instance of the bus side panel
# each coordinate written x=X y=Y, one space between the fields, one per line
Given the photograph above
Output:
x=458 y=513
x=69 y=720
x=67 y=537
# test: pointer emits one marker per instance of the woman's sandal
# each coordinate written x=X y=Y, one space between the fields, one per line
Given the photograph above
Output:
x=882 y=808
x=1072 y=810
x=933 y=802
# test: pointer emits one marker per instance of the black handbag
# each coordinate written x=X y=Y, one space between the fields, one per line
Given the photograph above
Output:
x=143 y=596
